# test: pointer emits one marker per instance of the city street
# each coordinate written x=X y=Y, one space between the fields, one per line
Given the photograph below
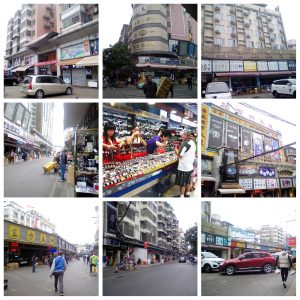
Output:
x=180 y=91
x=171 y=279
x=246 y=284
x=251 y=96
x=78 y=93
x=27 y=179
x=77 y=281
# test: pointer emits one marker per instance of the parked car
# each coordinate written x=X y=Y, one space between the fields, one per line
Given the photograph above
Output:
x=284 y=87
x=210 y=262
x=182 y=259
x=44 y=85
x=217 y=90
x=10 y=80
x=252 y=261
x=20 y=260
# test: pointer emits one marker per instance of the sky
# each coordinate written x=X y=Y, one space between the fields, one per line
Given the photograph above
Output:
x=74 y=218
x=256 y=212
x=58 y=124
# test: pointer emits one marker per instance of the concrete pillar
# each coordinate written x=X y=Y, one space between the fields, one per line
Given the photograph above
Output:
x=36 y=60
x=58 y=60
x=229 y=81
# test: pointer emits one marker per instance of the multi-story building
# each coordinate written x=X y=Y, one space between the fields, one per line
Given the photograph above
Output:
x=244 y=45
x=15 y=213
x=272 y=233
x=146 y=231
x=163 y=39
x=57 y=39
x=233 y=159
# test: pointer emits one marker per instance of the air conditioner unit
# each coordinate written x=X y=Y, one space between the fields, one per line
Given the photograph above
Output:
x=217 y=31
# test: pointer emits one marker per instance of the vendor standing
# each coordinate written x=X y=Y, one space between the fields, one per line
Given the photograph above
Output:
x=135 y=139
x=160 y=140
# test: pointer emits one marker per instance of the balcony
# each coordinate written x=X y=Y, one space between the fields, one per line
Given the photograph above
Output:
x=247 y=24
x=272 y=39
x=233 y=34
x=261 y=38
x=248 y=36
x=259 y=27
x=232 y=11
x=217 y=8
x=269 y=18
x=258 y=17
x=46 y=17
x=49 y=7
x=246 y=13
x=47 y=26
x=271 y=29
x=217 y=20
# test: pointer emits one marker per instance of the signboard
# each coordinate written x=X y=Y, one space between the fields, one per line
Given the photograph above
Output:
x=257 y=143
x=215 y=135
x=111 y=219
x=271 y=183
x=276 y=154
x=283 y=65
x=266 y=172
x=246 y=140
x=246 y=183
x=232 y=135
x=292 y=65
x=203 y=238
x=229 y=173
x=236 y=66
x=262 y=66
x=273 y=65
x=286 y=183
x=219 y=240
x=206 y=66
x=248 y=170
x=76 y=51
x=43 y=238
x=249 y=66
x=214 y=239
x=14 y=232
x=52 y=240
x=268 y=146
x=221 y=65
x=173 y=46
x=204 y=125
x=30 y=236
x=210 y=239
x=292 y=241
x=183 y=48
x=206 y=167
x=259 y=184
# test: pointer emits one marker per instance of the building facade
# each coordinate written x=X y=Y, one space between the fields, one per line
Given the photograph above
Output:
x=244 y=45
x=233 y=160
x=274 y=234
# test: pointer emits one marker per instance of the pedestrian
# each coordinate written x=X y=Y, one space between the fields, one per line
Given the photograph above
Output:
x=190 y=83
x=87 y=259
x=50 y=260
x=83 y=257
x=150 y=88
x=186 y=155
x=284 y=262
x=93 y=261
x=171 y=90
x=104 y=261
x=58 y=268
x=33 y=263
x=63 y=164
x=160 y=140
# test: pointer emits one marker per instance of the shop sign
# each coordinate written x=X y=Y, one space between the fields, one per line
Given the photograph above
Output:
x=206 y=66
x=214 y=239
x=221 y=65
x=286 y=182
x=276 y=154
x=203 y=238
x=111 y=219
x=248 y=170
x=219 y=240
x=215 y=137
x=292 y=241
x=283 y=66
x=76 y=51
x=249 y=66
x=266 y=172
x=266 y=248
x=240 y=244
x=46 y=63
x=257 y=143
x=146 y=245
x=292 y=65
x=249 y=246
x=206 y=167
x=229 y=173
x=210 y=239
x=111 y=242
x=259 y=183
x=273 y=65
x=52 y=240
x=271 y=183
x=14 y=244
x=262 y=66
x=236 y=66
x=232 y=135
x=14 y=232
x=204 y=125
x=30 y=236
x=43 y=238
x=246 y=183
x=124 y=247
x=9 y=126
x=246 y=140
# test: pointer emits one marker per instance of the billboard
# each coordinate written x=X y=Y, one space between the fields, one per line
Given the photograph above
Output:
x=221 y=65
x=215 y=135
x=229 y=173
x=257 y=143
x=246 y=140
x=232 y=135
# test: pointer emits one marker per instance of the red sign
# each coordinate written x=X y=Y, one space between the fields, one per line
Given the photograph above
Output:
x=45 y=63
x=14 y=244
x=13 y=250
x=146 y=245
x=292 y=241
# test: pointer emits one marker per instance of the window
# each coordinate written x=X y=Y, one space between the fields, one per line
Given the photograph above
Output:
x=248 y=255
x=231 y=43
x=231 y=29
x=219 y=42
x=26 y=119
x=72 y=20
x=19 y=114
x=163 y=113
x=218 y=16
x=249 y=44
x=219 y=27
x=55 y=80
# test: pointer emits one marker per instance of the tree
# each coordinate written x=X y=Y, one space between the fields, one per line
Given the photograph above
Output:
x=117 y=62
x=191 y=238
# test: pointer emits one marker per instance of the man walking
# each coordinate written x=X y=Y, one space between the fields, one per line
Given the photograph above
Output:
x=284 y=262
x=63 y=163
x=33 y=263
x=150 y=88
x=93 y=261
x=190 y=83
x=58 y=268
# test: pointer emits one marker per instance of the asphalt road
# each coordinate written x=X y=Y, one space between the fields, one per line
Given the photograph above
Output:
x=251 y=96
x=172 y=279
x=244 y=284
x=77 y=281
x=180 y=92
x=13 y=92
x=27 y=179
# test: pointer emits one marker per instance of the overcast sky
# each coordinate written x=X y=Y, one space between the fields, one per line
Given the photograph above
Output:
x=74 y=218
x=257 y=212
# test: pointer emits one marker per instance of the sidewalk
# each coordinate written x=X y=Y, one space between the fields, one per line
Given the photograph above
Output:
x=292 y=289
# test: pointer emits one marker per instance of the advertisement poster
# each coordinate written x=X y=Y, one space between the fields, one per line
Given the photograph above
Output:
x=268 y=146
x=266 y=172
x=236 y=66
x=246 y=183
x=259 y=184
x=292 y=65
x=273 y=65
x=257 y=143
x=262 y=66
x=221 y=65
x=229 y=173
x=283 y=66
x=248 y=170
x=232 y=135
x=249 y=66
x=271 y=183
x=277 y=155
x=206 y=66
x=215 y=137
x=246 y=140
x=286 y=183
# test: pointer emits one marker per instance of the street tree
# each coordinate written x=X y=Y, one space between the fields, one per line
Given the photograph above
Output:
x=191 y=238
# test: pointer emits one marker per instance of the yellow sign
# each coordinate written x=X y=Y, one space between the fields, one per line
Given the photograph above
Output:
x=14 y=232
x=249 y=66
x=52 y=240
x=43 y=238
x=204 y=125
x=30 y=236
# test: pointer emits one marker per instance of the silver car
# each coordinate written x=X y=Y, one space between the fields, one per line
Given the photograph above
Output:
x=44 y=85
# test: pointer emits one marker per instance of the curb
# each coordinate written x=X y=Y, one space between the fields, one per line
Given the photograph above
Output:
x=292 y=289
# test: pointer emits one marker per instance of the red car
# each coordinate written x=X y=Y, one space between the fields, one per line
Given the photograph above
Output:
x=252 y=261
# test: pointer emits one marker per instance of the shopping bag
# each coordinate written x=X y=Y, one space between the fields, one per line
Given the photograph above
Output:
x=277 y=271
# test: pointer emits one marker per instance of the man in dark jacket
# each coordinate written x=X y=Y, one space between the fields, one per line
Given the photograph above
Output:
x=150 y=88
x=58 y=269
x=63 y=163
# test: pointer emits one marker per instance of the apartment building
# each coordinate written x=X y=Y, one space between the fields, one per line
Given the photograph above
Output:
x=272 y=233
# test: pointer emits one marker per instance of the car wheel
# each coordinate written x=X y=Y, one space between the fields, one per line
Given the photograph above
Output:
x=207 y=268
x=267 y=268
x=39 y=94
x=275 y=94
x=230 y=270
x=69 y=91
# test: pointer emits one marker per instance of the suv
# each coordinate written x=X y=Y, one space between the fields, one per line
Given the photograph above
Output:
x=252 y=261
x=217 y=90
x=210 y=262
x=286 y=87
x=43 y=85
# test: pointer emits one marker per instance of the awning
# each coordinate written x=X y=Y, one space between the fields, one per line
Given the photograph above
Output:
x=213 y=246
x=231 y=191
x=17 y=138
x=232 y=74
x=160 y=66
x=89 y=61
x=46 y=63
x=22 y=69
x=208 y=178
x=69 y=62
x=277 y=73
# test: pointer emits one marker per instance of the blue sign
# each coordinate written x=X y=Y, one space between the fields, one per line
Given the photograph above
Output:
x=53 y=250
x=266 y=172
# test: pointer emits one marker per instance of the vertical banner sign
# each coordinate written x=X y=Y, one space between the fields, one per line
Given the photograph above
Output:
x=268 y=147
x=229 y=173
x=14 y=232
x=215 y=137
x=246 y=140
x=277 y=156
x=30 y=236
x=257 y=143
x=232 y=135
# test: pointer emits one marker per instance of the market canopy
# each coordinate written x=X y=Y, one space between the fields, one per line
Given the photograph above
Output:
x=69 y=62
x=22 y=69
x=88 y=61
